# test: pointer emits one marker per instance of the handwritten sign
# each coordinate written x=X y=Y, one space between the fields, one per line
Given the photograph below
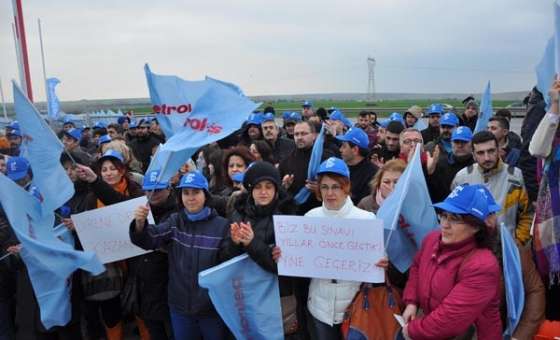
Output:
x=105 y=230
x=330 y=248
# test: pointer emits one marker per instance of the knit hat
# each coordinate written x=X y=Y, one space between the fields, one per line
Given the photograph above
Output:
x=415 y=110
x=260 y=171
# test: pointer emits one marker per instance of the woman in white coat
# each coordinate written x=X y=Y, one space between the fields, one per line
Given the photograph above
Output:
x=328 y=299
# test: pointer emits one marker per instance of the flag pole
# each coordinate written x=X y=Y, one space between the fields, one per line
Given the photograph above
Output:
x=3 y=102
x=18 y=57
x=22 y=43
x=44 y=68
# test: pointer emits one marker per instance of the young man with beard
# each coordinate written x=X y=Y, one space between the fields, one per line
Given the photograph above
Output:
x=510 y=149
x=432 y=131
x=448 y=122
x=389 y=149
x=364 y=123
x=504 y=182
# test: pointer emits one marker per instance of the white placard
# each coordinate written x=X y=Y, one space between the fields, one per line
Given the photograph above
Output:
x=330 y=248
x=105 y=230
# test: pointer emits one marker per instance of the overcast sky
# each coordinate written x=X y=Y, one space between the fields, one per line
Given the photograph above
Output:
x=98 y=48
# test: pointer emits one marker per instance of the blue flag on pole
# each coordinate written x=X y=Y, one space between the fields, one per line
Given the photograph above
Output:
x=557 y=36
x=192 y=114
x=43 y=151
x=545 y=71
x=313 y=166
x=53 y=105
x=247 y=298
x=513 y=280
x=50 y=262
x=486 y=110
x=408 y=215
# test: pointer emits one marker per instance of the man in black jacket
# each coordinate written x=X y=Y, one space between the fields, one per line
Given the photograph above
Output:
x=431 y=133
x=354 y=151
x=281 y=147
x=448 y=165
x=143 y=145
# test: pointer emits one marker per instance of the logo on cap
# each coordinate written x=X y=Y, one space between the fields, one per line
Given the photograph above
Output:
x=330 y=162
x=153 y=176
x=456 y=191
x=189 y=178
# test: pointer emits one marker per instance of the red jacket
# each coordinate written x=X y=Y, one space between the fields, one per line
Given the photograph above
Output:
x=455 y=285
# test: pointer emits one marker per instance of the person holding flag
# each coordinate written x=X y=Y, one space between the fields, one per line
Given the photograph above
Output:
x=193 y=237
x=455 y=277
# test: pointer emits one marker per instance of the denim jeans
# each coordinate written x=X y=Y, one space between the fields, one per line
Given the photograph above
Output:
x=187 y=327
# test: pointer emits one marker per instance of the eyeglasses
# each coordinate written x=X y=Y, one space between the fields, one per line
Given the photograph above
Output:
x=410 y=141
x=450 y=218
x=325 y=187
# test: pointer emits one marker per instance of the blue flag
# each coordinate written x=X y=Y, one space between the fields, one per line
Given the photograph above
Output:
x=313 y=166
x=513 y=280
x=50 y=262
x=557 y=36
x=420 y=124
x=192 y=114
x=53 y=105
x=43 y=151
x=167 y=162
x=545 y=71
x=247 y=298
x=486 y=111
x=408 y=215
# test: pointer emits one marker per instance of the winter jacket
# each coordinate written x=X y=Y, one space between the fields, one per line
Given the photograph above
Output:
x=360 y=176
x=469 y=122
x=541 y=143
x=439 y=183
x=260 y=248
x=193 y=246
x=455 y=285
x=282 y=148
x=142 y=149
x=328 y=299
x=508 y=189
x=430 y=134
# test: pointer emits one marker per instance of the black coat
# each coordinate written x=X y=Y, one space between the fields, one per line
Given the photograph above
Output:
x=282 y=148
x=260 y=248
x=360 y=176
x=142 y=149
x=193 y=246
x=447 y=167
x=430 y=134
x=152 y=271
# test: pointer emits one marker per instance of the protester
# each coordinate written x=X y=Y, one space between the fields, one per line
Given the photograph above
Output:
x=143 y=145
x=290 y=121
x=364 y=123
x=71 y=141
x=193 y=237
x=15 y=138
x=464 y=285
x=412 y=115
x=544 y=144
x=390 y=148
x=110 y=184
x=510 y=150
x=261 y=151
x=281 y=147
x=307 y=110
x=382 y=184
x=354 y=151
x=252 y=228
x=156 y=131
x=470 y=115
x=3 y=159
x=328 y=299
x=251 y=130
x=431 y=133
x=505 y=182
x=448 y=122
x=115 y=130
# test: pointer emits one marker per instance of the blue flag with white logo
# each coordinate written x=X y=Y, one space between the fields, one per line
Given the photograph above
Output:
x=313 y=166
x=408 y=215
x=486 y=110
x=247 y=298
x=53 y=105
x=43 y=151
x=193 y=114
x=50 y=262
x=513 y=280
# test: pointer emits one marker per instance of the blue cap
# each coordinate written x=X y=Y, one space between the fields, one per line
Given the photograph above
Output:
x=335 y=166
x=355 y=136
x=15 y=132
x=68 y=120
x=466 y=200
x=74 y=133
x=17 y=168
x=255 y=119
x=337 y=115
x=493 y=207
x=238 y=177
x=153 y=182
x=462 y=133
x=449 y=119
x=307 y=103
x=395 y=116
x=133 y=124
x=292 y=117
x=384 y=123
x=14 y=125
x=267 y=117
x=435 y=109
x=111 y=154
x=144 y=122
x=103 y=139
x=99 y=125
x=193 y=180
x=122 y=119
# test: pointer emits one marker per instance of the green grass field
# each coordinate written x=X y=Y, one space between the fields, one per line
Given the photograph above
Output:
x=351 y=108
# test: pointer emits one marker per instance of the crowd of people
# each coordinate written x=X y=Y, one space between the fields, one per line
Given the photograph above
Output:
x=221 y=204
